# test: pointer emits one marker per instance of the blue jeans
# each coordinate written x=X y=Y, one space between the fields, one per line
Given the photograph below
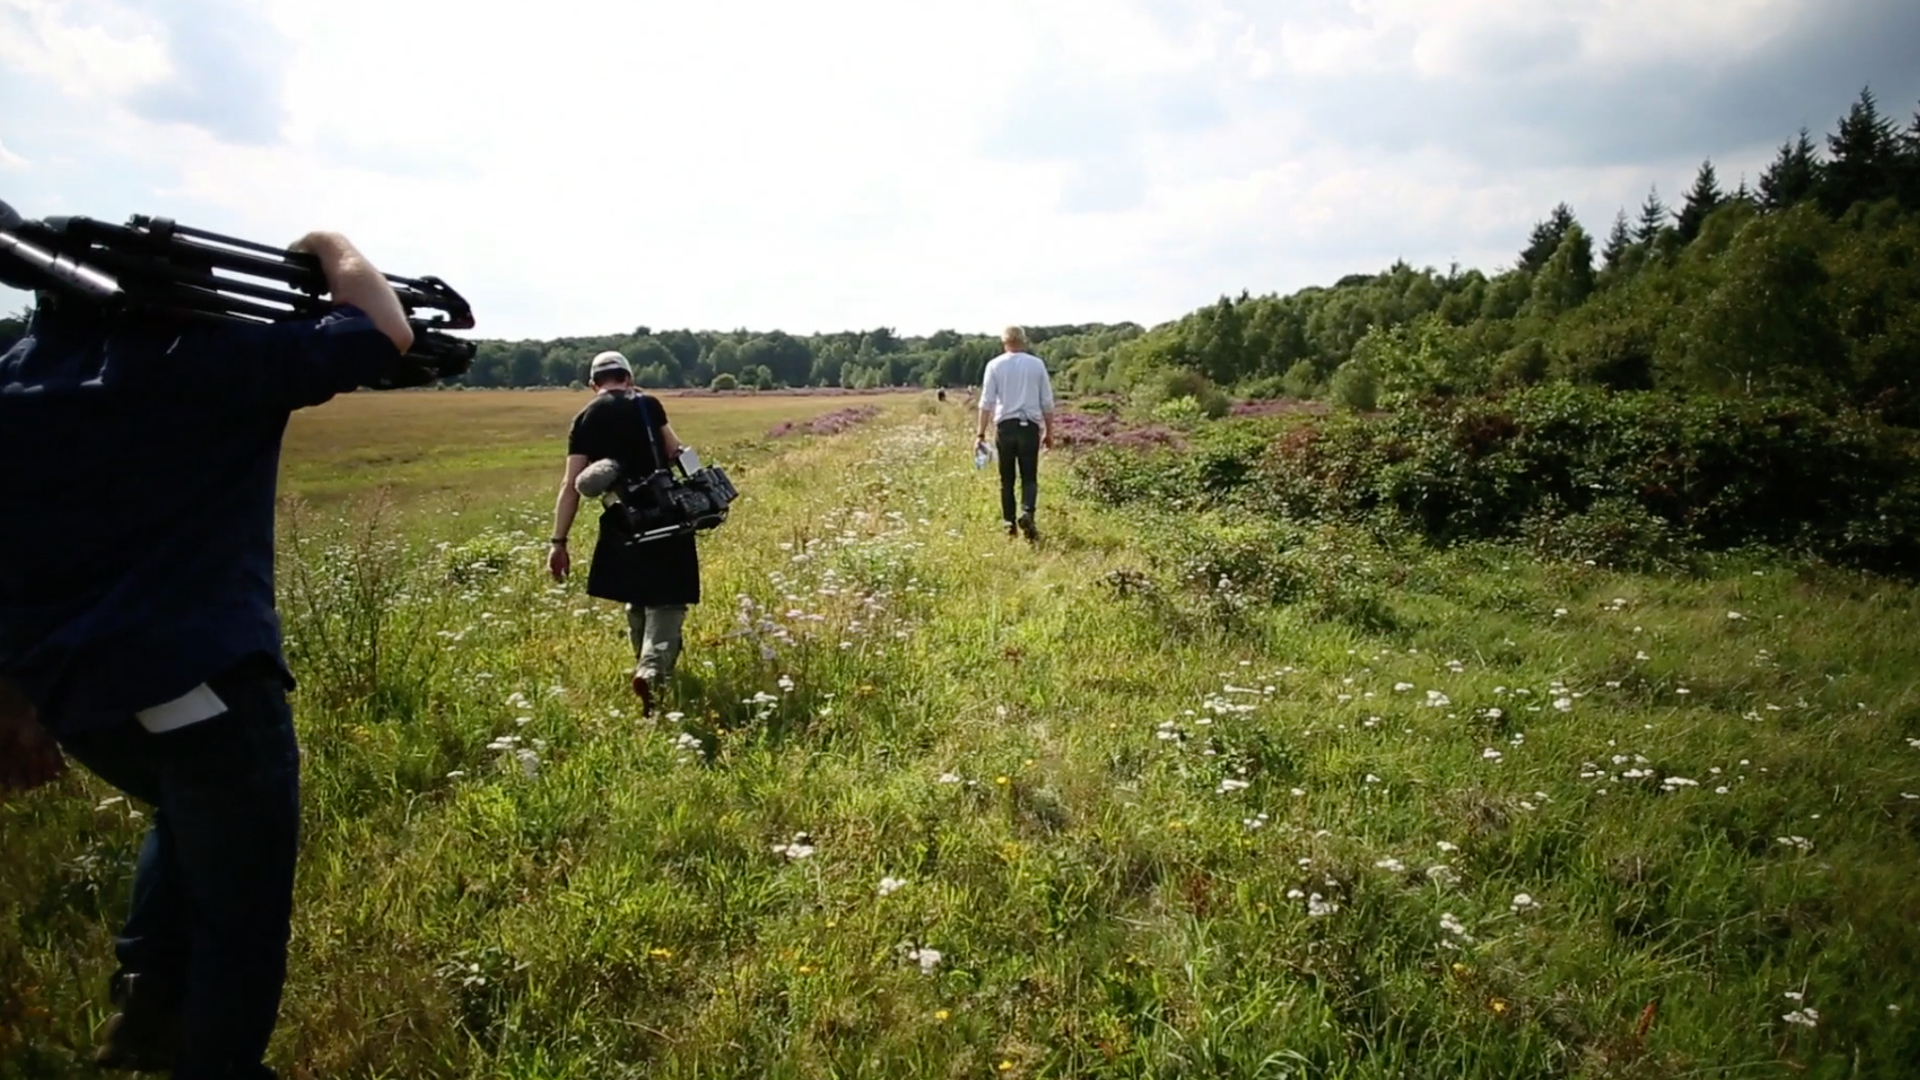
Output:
x=213 y=892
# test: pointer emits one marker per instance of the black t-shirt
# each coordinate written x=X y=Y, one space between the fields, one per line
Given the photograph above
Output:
x=658 y=572
x=614 y=425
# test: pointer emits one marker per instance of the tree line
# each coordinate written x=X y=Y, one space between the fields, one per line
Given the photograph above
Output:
x=745 y=358
x=1806 y=284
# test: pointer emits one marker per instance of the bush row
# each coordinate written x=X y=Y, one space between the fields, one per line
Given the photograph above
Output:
x=1622 y=478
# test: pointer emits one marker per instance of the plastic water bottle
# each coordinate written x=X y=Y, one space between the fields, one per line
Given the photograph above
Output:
x=981 y=455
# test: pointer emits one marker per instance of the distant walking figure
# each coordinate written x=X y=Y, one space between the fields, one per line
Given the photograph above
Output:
x=1016 y=396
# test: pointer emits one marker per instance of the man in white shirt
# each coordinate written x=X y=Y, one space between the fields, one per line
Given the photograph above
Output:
x=1016 y=396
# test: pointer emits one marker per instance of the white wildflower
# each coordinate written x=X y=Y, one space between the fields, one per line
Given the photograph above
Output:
x=1391 y=865
x=1318 y=907
x=1230 y=785
x=1403 y=687
x=928 y=959
x=890 y=885
x=1805 y=1017
x=1490 y=754
x=800 y=847
x=1443 y=875
x=1522 y=901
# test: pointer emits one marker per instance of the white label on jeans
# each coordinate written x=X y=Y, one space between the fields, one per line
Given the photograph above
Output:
x=197 y=704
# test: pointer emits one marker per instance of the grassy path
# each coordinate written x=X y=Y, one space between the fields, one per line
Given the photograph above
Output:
x=930 y=803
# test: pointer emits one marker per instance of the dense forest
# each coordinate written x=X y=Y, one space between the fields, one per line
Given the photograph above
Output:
x=1805 y=284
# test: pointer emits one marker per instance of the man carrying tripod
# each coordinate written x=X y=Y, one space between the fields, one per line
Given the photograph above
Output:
x=656 y=579
x=1016 y=396
x=138 y=462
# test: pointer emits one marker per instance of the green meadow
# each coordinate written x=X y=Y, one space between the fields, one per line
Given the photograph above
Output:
x=926 y=802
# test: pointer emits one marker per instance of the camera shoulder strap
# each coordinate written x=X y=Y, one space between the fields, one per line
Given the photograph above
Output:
x=653 y=434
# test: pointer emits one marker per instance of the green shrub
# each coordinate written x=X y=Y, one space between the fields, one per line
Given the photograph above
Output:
x=1719 y=474
x=1264 y=388
x=1179 y=412
x=1170 y=384
x=724 y=381
x=1355 y=386
x=1631 y=480
x=1302 y=381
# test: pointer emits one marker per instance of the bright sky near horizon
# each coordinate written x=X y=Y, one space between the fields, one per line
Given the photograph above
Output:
x=587 y=166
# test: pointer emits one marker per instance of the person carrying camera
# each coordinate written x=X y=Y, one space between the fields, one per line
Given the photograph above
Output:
x=1016 y=396
x=657 y=580
x=138 y=633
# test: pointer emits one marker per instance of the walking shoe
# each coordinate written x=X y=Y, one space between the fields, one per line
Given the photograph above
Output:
x=144 y=1036
x=1012 y=530
x=645 y=689
x=1026 y=526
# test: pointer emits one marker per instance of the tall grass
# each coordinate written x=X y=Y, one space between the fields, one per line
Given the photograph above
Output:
x=1452 y=814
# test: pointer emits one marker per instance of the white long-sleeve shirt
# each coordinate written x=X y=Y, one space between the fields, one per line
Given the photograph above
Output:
x=1016 y=387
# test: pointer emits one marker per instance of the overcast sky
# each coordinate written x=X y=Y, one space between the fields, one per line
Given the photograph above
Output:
x=580 y=167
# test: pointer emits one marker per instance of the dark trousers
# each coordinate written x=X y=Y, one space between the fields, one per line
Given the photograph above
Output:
x=1018 y=443
x=213 y=892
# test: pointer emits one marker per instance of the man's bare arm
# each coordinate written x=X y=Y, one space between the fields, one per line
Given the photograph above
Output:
x=351 y=279
x=566 y=506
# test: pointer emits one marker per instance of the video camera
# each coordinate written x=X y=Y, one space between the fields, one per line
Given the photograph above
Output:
x=152 y=266
x=661 y=505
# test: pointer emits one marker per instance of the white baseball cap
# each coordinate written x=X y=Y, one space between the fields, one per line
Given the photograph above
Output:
x=609 y=361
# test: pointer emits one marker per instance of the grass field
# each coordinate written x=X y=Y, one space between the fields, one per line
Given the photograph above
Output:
x=929 y=803
x=432 y=450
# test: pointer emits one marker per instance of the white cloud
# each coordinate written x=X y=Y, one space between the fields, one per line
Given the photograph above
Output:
x=92 y=52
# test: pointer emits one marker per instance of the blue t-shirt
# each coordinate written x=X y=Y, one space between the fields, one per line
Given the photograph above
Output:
x=137 y=484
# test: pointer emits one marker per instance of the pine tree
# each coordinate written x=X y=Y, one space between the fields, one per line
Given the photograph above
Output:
x=1863 y=157
x=1907 y=175
x=1619 y=241
x=1546 y=237
x=1702 y=199
x=1565 y=280
x=1653 y=218
x=1794 y=175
